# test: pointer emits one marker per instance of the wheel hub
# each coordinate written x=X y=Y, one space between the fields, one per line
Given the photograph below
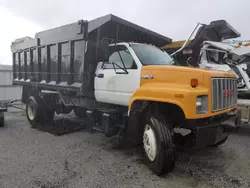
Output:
x=149 y=142
x=31 y=112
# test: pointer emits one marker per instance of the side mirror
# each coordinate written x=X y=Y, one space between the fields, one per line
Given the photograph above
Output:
x=100 y=65
x=103 y=52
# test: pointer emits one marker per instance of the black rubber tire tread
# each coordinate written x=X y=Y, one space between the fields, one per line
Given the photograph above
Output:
x=166 y=149
x=220 y=142
x=48 y=115
x=2 y=119
x=80 y=112
x=42 y=114
x=36 y=102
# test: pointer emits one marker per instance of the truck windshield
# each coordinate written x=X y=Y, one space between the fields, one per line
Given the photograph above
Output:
x=150 y=55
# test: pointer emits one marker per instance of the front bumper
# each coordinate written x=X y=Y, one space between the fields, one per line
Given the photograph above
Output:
x=210 y=131
x=209 y=136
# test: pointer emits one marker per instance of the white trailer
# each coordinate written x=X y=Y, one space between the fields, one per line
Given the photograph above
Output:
x=8 y=92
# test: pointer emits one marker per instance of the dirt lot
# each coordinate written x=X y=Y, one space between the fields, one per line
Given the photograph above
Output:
x=31 y=158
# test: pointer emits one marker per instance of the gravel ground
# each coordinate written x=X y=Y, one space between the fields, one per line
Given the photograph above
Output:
x=31 y=158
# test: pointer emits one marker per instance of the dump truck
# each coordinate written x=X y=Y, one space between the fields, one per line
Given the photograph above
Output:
x=113 y=73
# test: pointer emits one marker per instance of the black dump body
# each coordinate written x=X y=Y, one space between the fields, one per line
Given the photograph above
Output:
x=65 y=58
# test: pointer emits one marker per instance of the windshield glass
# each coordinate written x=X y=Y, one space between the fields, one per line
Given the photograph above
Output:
x=150 y=55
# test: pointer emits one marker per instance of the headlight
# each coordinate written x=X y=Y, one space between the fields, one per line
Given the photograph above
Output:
x=202 y=104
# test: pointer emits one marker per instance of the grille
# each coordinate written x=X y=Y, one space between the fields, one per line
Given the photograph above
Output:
x=224 y=93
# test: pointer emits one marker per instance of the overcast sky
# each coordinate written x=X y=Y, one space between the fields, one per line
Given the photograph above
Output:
x=172 y=18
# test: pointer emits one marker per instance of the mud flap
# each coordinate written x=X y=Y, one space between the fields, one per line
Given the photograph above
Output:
x=209 y=135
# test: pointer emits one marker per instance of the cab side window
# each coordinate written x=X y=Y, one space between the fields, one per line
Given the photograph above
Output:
x=119 y=54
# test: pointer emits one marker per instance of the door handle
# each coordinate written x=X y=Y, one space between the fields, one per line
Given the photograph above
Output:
x=99 y=75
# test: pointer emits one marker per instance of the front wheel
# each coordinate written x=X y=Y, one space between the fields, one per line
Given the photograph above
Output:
x=158 y=144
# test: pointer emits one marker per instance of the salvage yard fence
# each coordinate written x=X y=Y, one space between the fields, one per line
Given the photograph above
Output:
x=8 y=92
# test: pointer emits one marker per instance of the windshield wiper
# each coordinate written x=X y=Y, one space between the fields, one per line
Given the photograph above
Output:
x=124 y=68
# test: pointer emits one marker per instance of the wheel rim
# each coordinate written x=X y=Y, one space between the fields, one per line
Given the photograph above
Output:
x=31 y=112
x=149 y=142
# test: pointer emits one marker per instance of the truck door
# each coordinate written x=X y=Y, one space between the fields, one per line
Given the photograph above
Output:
x=115 y=83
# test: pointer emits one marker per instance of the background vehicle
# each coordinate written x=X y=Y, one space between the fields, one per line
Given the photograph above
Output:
x=127 y=89
x=212 y=49
x=9 y=94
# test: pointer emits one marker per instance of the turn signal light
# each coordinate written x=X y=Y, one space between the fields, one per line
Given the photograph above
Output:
x=194 y=82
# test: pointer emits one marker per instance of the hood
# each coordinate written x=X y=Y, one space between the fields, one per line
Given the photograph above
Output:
x=219 y=67
x=243 y=51
x=179 y=75
x=220 y=45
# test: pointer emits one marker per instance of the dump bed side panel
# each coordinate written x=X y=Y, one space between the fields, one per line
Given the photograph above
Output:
x=66 y=57
x=54 y=59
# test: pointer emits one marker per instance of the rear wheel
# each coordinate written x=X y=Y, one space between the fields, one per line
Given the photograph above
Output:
x=37 y=112
x=158 y=144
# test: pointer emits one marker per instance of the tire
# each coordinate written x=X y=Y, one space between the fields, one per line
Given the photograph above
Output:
x=80 y=112
x=220 y=142
x=48 y=115
x=36 y=111
x=158 y=144
x=1 y=119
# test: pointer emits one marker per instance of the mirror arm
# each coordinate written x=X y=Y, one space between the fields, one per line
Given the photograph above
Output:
x=102 y=66
x=124 y=68
x=114 y=67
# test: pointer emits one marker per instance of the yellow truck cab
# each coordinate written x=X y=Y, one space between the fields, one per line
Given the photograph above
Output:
x=124 y=87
